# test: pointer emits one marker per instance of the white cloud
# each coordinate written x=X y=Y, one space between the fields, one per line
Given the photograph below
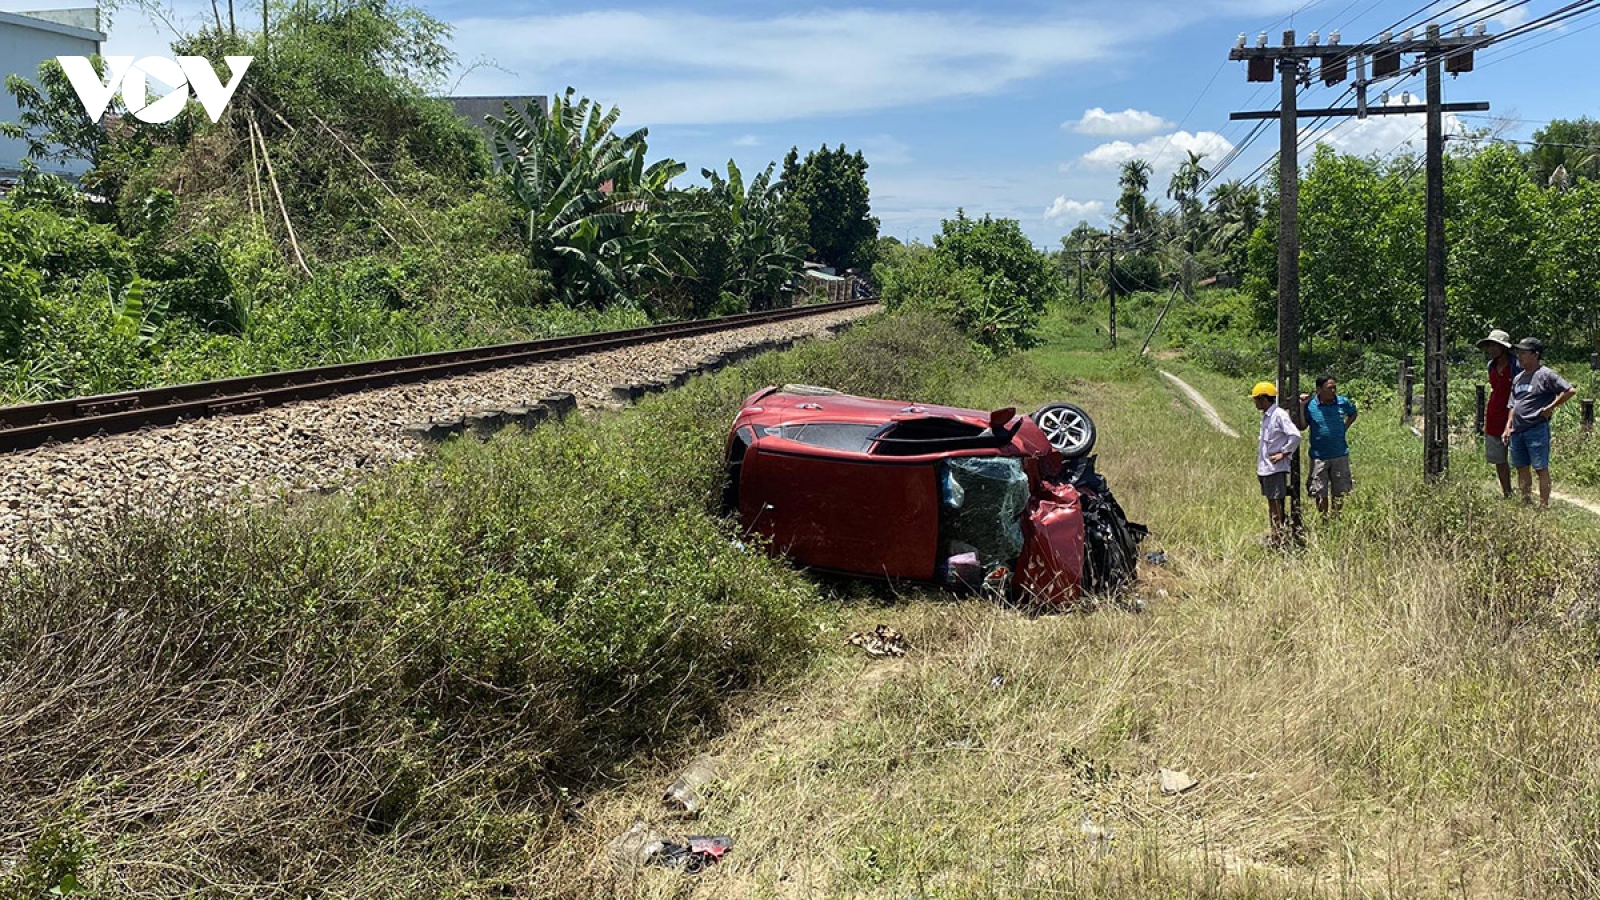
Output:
x=676 y=67
x=1128 y=122
x=1499 y=21
x=1164 y=153
x=747 y=140
x=883 y=150
x=1385 y=135
x=1063 y=210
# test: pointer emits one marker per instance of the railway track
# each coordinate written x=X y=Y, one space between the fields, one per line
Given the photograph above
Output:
x=35 y=424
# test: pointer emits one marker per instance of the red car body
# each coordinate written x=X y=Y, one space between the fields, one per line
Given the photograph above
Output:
x=912 y=492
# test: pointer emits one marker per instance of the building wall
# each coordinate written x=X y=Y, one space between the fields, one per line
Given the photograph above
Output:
x=24 y=44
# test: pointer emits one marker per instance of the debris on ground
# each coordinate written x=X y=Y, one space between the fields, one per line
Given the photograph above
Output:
x=998 y=681
x=1156 y=557
x=643 y=845
x=700 y=852
x=881 y=641
x=1174 y=781
x=638 y=846
x=684 y=794
x=1098 y=836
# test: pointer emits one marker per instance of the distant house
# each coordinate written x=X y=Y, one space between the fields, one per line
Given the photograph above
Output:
x=26 y=40
x=474 y=109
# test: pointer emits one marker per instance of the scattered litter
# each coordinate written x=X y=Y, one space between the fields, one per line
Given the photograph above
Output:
x=881 y=641
x=1174 y=781
x=637 y=846
x=643 y=845
x=998 y=681
x=1156 y=557
x=684 y=794
x=1096 y=835
x=700 y=853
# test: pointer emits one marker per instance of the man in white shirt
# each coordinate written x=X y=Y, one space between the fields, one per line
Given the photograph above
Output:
x=1279 y=441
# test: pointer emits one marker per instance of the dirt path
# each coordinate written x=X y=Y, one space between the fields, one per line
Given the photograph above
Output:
x=1201 y=403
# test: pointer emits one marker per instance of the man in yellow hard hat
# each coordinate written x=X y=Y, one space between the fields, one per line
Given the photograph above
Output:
x=1279 y=441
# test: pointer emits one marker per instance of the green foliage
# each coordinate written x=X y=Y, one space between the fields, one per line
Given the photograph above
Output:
x=1570 y=145
x=761 y=259
x=982 y=275
x=51 y=119
x=829 y=206
x=1494 y=234
x=596 y=216
x=52 y=865
x=1361 y=239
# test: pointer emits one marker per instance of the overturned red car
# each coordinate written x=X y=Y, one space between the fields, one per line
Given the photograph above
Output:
x=916 y=492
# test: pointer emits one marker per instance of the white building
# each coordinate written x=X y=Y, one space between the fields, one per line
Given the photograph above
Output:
x=26 y=40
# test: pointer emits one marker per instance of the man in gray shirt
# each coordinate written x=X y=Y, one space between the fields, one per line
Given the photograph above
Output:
x=1536 y=393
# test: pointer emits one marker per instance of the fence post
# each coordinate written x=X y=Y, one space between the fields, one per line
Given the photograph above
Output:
x=1588 y=416
x=1408 y=382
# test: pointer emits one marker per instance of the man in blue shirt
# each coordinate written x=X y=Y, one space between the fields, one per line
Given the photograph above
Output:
x=1327 y=416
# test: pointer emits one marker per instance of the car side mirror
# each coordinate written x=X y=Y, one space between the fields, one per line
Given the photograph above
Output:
x=998 y=421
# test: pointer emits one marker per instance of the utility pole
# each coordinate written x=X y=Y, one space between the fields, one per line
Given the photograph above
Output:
x=1111 y=281
x=1293 y=64
x=1435 y=371
x=1289 y=263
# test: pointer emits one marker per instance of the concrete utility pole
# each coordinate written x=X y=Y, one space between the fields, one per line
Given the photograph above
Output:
x=1435 y=368
x=1293 y=63
x=1289 y=263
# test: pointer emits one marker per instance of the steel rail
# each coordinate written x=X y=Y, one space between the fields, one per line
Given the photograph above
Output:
x=34 y=424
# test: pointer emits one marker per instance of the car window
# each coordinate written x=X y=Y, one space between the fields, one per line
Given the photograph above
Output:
x=981 y=504
x=833 y=435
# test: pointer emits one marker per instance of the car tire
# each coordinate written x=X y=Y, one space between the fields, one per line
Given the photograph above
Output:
x=1068 y=428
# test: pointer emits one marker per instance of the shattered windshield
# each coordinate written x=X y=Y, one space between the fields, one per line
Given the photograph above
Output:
x=982 y=501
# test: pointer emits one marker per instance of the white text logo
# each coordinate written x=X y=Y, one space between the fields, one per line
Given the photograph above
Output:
x=132 y=79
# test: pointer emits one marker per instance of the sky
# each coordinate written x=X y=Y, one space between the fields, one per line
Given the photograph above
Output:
x=1023 y=110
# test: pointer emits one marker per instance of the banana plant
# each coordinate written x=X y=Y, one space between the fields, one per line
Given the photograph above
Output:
x=596 y=216
x=136 y=317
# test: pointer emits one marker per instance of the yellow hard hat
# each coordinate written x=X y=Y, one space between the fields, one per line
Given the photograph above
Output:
x=1264 y=389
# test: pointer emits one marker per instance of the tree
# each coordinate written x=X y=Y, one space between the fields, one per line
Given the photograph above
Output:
x=1184 y=189
x=1236 y=211
x=982 y=274
x=761 y=259
x=1495 y=235
x=829 y=207
x=1572 y=145
x=595 y=215
x=1133 y=209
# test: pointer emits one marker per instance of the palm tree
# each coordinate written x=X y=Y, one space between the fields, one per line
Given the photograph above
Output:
x=1184 y=189
x=1132 y=206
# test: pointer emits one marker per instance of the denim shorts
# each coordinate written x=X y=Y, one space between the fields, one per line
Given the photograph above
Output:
x=1531 y=447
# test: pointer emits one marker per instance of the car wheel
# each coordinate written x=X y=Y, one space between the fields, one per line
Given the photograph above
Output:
x=1069 y=429
x=694 y=864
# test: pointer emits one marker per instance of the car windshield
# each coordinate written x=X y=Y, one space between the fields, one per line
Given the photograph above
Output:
x=981 y=504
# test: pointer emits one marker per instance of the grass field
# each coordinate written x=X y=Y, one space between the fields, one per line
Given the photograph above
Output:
x=1404 y=708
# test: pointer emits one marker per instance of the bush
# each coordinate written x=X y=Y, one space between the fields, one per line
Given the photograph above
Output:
x=981 y=275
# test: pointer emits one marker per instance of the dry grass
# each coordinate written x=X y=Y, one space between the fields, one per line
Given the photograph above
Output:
x=1403 y=709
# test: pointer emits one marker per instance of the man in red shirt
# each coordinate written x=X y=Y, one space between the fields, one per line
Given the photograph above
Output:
x=1502 y=369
